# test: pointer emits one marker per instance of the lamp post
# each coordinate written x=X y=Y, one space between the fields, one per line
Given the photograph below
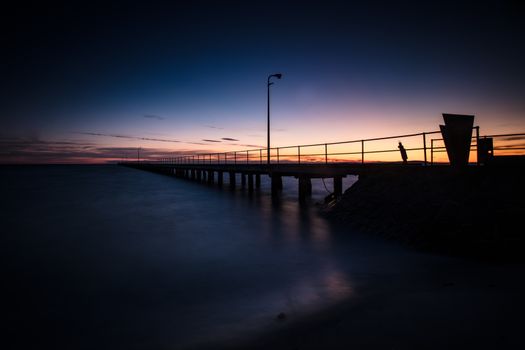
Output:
x=278 y=76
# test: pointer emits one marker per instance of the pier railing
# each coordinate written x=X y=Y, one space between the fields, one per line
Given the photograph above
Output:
x=504 y=144
x=421 y=148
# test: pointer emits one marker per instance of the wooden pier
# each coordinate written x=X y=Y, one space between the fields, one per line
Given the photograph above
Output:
x=250 y=174
x=307 y=162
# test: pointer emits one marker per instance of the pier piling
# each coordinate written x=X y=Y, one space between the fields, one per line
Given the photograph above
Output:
x=338 y=186
x=232 y=179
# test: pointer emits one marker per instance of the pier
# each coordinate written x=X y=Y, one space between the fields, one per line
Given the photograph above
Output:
x=250 y=174
x=316 y=161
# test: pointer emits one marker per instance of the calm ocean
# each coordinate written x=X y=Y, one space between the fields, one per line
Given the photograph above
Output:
x=105 y=255
x=108 y=257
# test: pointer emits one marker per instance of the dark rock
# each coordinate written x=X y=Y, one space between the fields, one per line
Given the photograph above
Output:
x=467 y=212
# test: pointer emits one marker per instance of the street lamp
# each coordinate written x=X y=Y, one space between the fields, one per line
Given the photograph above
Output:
x=278 y=76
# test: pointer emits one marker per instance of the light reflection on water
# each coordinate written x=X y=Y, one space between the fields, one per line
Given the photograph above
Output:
x=169 y=261
x=305 y=239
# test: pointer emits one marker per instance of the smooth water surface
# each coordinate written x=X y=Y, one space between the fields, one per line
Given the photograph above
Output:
x=111 y=257
x=106 y=254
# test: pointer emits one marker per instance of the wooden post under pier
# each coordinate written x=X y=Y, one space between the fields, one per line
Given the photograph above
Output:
x=250 y=182
x=338 y=186
x=277 y=183
x=305 y=188
x=232 y=179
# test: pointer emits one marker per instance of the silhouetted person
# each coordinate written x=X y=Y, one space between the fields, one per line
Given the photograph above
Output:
x=403 y=152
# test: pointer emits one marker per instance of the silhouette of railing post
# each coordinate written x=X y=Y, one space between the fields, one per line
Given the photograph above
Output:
x=425 y=147
x=325 y=153
x=477 y=145
x=260 y=156
x=362 y=151
x=277 y=155
x=234 y=157
x=432 y=152
x=299 y=154
x=247 y=158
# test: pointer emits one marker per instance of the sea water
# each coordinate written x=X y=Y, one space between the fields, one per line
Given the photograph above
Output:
x=111 y=257
x=107 y=255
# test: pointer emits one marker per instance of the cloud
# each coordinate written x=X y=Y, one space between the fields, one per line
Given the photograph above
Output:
x=244 y=145
x=229 y=139
x=513 y=146
x=153 y=116
x=127 y=137
x=248 y=145
x=26 y=150
x=213 y=127
x=140 y=138
x=19 y=150
x=514 y=138
x=206 y=140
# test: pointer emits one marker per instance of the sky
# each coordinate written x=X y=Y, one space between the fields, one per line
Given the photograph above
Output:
x=93 y=82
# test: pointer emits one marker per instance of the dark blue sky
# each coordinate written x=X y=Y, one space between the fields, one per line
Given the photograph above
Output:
x=197 y=70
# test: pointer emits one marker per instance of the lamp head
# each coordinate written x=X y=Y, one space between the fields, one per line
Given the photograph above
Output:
x=278 y=75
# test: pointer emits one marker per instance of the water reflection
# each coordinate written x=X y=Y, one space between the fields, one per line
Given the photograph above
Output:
x=314 y=292
x=316 y=279
x=167 y=261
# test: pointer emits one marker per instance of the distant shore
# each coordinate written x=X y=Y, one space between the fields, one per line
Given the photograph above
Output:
x=475 y=211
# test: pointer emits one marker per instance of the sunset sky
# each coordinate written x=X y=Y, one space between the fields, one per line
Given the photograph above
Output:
x=93 y=83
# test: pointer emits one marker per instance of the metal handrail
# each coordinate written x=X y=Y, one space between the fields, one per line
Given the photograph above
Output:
x=442 y=149
x=254 y=156
x=232 y=156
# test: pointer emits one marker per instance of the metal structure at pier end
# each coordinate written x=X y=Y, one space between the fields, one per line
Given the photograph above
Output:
x=333 y=160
